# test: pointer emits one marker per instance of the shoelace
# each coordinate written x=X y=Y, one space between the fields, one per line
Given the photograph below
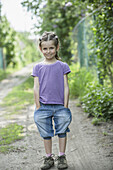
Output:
x=62 y=158
x=55 y=157
x=44 y=157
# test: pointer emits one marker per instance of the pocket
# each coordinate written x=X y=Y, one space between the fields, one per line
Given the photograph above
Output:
x=66 y=108
x=36 y=110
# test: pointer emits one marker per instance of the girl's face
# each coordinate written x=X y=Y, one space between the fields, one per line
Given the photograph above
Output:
x=48 y=49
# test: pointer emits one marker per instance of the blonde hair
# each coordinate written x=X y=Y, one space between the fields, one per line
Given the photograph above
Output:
x=47 y=36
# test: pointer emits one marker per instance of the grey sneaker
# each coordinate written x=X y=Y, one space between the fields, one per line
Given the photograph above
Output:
x=62 y=162
x=48 y=163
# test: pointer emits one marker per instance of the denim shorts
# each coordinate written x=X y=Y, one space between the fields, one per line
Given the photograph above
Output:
x=46 y=114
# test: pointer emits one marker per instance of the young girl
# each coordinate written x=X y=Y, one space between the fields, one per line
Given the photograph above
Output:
x=51 y=93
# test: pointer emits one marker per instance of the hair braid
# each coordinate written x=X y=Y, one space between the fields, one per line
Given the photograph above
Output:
x=47 y=36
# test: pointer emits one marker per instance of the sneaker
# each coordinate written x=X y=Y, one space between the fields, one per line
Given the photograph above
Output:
x=48 y=163
x=62 y=162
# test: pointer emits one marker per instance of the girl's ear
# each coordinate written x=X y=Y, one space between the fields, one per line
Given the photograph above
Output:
x=40 y=48
x=57 y=47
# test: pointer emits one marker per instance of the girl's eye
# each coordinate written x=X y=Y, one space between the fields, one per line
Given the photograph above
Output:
x=44 y=48
x=51 y=48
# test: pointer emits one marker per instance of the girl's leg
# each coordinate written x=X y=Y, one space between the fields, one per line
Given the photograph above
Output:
x=48 y=160
x=48 y=146
x=62 y=144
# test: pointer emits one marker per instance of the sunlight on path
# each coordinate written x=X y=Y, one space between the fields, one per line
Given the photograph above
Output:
x=13 y=80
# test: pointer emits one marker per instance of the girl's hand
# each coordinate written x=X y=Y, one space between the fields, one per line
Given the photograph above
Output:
x=66 y=106
x=37 y=107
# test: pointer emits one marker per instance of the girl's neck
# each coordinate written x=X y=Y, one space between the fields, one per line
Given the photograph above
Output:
x=46 y=61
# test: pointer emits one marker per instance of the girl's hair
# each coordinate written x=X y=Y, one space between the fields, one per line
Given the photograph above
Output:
x=47 y=36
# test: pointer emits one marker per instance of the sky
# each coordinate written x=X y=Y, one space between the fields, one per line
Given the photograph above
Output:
x=17 y=15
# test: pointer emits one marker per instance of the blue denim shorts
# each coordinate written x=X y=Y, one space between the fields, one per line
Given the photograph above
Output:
x=46 y=114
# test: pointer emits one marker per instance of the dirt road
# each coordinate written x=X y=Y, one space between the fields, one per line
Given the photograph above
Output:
x=87 y=146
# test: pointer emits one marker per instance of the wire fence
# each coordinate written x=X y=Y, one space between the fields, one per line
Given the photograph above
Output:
x=84 y=40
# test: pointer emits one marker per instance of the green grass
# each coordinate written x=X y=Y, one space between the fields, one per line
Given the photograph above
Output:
x=5 y=149
x=19 y=98
x=3 y=74
x=8 y=135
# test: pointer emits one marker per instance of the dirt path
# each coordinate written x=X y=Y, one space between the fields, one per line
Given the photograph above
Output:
x=87 y=147
x=14 y=79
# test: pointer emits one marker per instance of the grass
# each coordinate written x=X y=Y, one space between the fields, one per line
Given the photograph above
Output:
x=19 y=98
x=8 y=135
x=6 y=149
x=9 y=70
x=3 y=74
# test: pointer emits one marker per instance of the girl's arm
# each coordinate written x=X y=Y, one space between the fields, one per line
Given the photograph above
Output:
x=36 y=92
x=66 y=91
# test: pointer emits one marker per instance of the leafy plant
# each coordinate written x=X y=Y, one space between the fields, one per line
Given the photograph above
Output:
x=78 y=80
x=98 y=101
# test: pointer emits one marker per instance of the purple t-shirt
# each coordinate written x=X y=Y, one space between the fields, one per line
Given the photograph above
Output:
x=51 y=81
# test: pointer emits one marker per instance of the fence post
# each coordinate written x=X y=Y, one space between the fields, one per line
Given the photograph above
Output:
x=1 y=58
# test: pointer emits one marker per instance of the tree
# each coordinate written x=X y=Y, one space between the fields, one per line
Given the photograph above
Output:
x=59 y=16
x=104 y=37
x=7 y=39
x=19 y=48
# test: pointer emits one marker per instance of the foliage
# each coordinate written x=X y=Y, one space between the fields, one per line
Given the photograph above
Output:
x=103 y=35
x=58 y=16
x=19 y=48
x=62 y=17
x=78 y=80
x=98 y=101
x=7 y=39
x=26 y=50
x=20 y=97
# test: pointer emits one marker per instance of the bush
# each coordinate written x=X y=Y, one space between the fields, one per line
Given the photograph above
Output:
x=98 y=101
x=78 y=80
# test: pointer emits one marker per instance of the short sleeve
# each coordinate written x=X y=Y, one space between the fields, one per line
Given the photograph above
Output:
x=66 y=69
x=35 y=71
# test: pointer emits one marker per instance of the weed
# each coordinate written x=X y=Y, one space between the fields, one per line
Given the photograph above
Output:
x=105 y=133
x=95 y=121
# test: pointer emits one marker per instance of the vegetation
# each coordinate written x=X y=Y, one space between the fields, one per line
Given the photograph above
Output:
x=63 y=15
x=18 y=48
x=19 y=98
x=8 y=135
x=98 y=101
x=78 y=80
x=103 y=32
x=3 y=74
x=8 y=39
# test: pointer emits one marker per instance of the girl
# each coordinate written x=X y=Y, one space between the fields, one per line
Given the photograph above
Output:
x=51 y=93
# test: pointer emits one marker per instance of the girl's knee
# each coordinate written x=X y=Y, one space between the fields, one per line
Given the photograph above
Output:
x=47 y=138
x=62 y=135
